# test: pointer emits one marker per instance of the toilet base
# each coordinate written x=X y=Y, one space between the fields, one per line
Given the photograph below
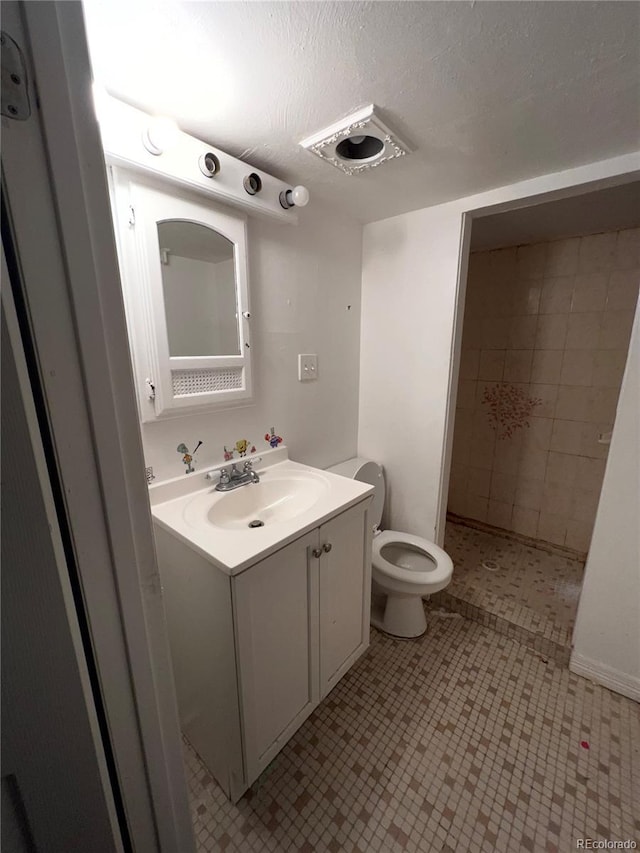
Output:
x=401 y=616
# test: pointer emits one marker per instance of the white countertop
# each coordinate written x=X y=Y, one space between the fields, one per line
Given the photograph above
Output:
x=181 y=507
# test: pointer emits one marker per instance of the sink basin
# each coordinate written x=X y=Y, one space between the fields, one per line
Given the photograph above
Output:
x=273 y=500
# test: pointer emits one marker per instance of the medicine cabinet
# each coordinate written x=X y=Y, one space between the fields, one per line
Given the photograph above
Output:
x=185 y=280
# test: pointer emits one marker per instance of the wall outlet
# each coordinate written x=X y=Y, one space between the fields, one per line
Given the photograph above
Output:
x=307 y=367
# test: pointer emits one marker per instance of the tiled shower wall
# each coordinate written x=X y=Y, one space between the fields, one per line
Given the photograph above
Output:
x=545 y=339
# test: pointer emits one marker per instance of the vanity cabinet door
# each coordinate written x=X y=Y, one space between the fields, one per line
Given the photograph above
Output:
x=345 y=593
x=276 y=625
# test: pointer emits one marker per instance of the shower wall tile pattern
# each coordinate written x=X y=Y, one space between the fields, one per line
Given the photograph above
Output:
x=463 y=740
x=549 y=323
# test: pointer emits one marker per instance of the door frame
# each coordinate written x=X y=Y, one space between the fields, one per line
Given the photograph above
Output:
x=467 y=218
x=55 y=189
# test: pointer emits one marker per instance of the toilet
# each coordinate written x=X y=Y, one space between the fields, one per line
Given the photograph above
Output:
x=404 y=567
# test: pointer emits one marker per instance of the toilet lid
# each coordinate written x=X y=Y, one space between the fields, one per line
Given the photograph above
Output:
x=442 y=570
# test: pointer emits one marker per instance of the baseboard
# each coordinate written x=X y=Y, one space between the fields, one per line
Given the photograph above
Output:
x=619 y=682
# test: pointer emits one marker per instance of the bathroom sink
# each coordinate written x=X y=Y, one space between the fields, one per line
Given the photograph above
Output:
x=273 y=500
x=234 y=529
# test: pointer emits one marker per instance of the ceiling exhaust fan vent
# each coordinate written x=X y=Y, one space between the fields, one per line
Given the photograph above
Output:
x=357 y=143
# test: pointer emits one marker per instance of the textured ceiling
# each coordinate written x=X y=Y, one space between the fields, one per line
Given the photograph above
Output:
x=610 y=209
x=487 y=93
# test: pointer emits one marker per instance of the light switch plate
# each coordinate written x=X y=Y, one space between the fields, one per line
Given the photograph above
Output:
x=307 y=367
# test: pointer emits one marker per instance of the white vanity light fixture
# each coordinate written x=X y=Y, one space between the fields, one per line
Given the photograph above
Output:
x=357 y=143
x=190 y=163
x=160 y=134
x=297 y=197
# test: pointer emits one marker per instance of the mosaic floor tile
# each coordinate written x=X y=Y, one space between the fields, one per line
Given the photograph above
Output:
x=463 y=740
x=525 y=592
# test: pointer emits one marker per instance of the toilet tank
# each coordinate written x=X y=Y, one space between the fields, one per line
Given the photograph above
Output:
x=369 y=472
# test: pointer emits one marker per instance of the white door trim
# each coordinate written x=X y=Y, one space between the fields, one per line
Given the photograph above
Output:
x=55 y=182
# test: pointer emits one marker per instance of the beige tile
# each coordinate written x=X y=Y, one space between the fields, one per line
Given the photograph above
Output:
x=589 y=444
x=552 y=331
x=577 y=367
x=522 y=332
x=546 y=365
x=499 y=514
x=578 y=535
x=589 y=292
x=466 y=394
x=602 y=405
x=628 y=249
x=478 y=481
x=562 y=469
x=566 y=436
x=481 y=451
x=556 y=295
x=525 y=520
x=469 y=363
x=557 y=499
x=476 y=507
x=517 y=365
x=472 y=332
x=608 y=368
x=526 y=297
x=562 y=257
x=456 y=501
x=623 y=290
x=533 y=463
x=572 y=402
x=531 y=260
x=529 y=493
x=502 y=263
x=615 y=331
x=583 y=331
x=537 y=435
x=590 y=473
x=491 y=364
x=546 y=394
x=495 y=332
x=507 y=454
x=552 y=528
x=584 y=505
x=503 y=487
x=597 y=252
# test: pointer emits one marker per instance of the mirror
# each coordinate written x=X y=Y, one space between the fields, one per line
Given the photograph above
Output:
x=199 y=287
x=186 y=287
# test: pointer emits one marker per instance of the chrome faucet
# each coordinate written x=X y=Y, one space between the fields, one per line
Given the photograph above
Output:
x=234 y=479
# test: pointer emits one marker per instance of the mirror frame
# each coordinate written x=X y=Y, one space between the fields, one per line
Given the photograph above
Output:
x=168 y=385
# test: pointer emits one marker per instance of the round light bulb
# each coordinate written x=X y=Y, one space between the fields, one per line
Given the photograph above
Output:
x=160 y=134
x=300 y=196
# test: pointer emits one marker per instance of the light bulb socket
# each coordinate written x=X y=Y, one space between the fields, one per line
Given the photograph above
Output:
x=286 y=199
x=209 y=164
x=252 y=183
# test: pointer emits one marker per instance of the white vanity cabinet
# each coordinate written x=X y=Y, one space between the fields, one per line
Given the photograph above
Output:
x=254 y=653
x=301 y=620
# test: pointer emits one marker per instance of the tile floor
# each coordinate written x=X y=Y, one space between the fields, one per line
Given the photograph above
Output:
x=524 y=592
x=463 y=740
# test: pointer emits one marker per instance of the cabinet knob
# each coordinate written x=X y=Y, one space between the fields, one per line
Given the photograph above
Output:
x=317 y=552
x=327 y=547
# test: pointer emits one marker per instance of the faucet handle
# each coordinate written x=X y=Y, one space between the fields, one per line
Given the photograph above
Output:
x=248 y=465
x=224 y=475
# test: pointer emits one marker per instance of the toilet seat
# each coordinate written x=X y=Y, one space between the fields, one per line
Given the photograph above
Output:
x=442 y=565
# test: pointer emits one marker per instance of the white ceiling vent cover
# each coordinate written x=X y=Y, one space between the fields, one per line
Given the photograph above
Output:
x=356 y=143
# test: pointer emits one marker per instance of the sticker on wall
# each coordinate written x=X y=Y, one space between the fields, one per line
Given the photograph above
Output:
x=508 y=408
x=272 y=439
x=187 y=456
x=241 y=446
x=228 y=454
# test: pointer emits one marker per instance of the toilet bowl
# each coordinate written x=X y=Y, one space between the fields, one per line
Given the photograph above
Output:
x=405 y=568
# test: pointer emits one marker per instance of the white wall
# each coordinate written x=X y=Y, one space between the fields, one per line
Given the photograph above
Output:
x=606 y=639
x=408 y=378
x=302 y=280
